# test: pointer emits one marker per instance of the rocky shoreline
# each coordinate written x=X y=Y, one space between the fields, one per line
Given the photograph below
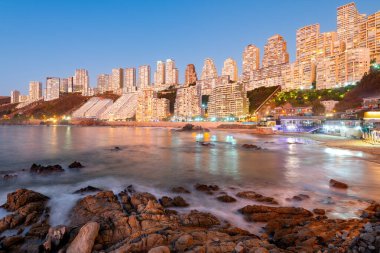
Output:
x=132 y=221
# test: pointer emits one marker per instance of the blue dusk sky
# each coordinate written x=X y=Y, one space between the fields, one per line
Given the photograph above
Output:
x=41 y=38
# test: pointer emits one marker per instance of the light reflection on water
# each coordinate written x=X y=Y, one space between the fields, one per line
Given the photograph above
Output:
x=161 y=158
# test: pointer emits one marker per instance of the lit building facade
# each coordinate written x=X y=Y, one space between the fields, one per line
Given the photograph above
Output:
x=343 y=69
x=275 y=52
x=35 y=91
x=369 y=36
x=187 y=103
x=228 y=100
x=104 y=83
x=15 y=96
x=150 y=108
x=230 y=69
x=348 y=21
x=129 y=80
x=144 y=77
x=159 y=75
x=251 y=60
x=171 y=73
x=209 y=70
x=52 y=88
x=117 y=80
x=81 y=81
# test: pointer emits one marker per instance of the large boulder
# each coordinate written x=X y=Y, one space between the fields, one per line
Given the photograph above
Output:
x=85 y=239
x=105 y=209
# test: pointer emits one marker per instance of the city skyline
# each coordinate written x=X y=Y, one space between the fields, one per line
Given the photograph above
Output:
x=258 y=39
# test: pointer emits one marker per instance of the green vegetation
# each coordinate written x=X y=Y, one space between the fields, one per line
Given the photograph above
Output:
x=369 y=86
x=307 y=97
x=169 y=94
x=258 y=96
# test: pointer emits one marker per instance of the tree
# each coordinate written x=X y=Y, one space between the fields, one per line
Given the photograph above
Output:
x=318 y=108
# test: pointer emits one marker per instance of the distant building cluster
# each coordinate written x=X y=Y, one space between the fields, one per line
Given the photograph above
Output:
x=324 y=60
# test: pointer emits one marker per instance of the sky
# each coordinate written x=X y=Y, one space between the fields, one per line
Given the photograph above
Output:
x=40 y=38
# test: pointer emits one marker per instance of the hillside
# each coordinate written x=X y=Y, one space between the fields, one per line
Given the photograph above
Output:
x=65 y=105
x=307 y=97
x=258 y=96
x=369 y=86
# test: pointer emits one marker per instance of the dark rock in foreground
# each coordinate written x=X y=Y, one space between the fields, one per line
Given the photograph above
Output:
x=251 y=195
x=336 y=184
x=137 y=222
x=87 y=190
x=76 y=165
x=28 y=211
x=39 y=169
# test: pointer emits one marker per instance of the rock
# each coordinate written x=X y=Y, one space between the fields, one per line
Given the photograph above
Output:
x=39 y=169
x=87 y=190
x=180 y=189
x=199 y=219
x=184 y=242
x=160 y=249
x=319 y=211
x=336 y=184
x=131 y=189
x=226 y=198
x=56 y=238
x=251 y=195
x=251 y=146
x=206 y=144
x=22 y=197
x=209 y=189
x=76 y=165
x=178 y=201
x=9 y=176
x=85 y=239
x=105 y=209
x=299 y=197
x=258 y=213
x=116 y=148
x=10 y=241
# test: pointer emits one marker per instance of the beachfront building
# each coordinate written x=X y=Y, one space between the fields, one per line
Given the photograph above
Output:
x=187 y=105
x=151 y=108
x=171 y=73
x=228 y=100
